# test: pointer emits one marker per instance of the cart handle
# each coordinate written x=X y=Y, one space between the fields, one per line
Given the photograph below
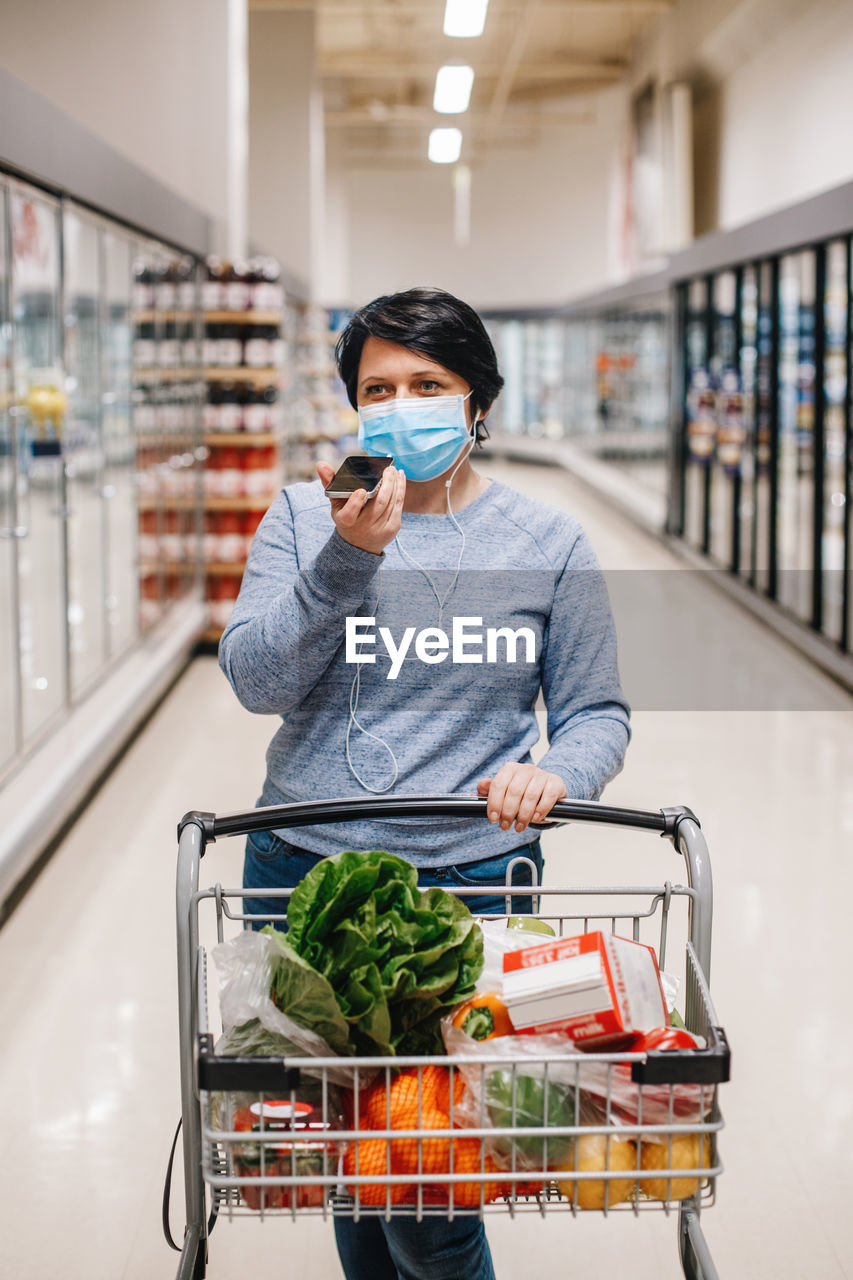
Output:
x=306 y=813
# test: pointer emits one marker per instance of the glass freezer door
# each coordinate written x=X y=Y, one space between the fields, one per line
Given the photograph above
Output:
x=9 y=678
x=119 y=446
x=39 y=393
x=83 y=452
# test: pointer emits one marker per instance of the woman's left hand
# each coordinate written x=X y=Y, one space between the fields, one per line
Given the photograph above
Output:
x=520 y=793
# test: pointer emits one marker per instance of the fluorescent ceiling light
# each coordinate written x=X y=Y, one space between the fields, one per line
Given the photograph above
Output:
x=452 y=89
x=445 y=145
x=465 y=17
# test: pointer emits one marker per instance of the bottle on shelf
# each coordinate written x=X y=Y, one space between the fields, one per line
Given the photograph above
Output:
x=235 y=294
x=239 y=347
x=261 y=412
x=251 y=520
x=259 y=472
x=222 y=590
x=266 y=293
x=143 y=286
x=230 y=541
x=212 y=286
x=229 y=346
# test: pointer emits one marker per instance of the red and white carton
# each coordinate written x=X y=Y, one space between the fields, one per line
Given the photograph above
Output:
x=597 y=988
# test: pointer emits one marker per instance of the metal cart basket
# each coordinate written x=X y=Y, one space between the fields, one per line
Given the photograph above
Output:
x=637 y=1132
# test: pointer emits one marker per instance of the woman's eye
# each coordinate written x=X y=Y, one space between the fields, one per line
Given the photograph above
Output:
x=429 y=385
x=376 y=389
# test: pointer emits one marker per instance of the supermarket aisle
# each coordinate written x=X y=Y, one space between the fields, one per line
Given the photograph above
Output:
x=88 y=1076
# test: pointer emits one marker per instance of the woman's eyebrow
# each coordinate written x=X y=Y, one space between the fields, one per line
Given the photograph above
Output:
x=418 y=373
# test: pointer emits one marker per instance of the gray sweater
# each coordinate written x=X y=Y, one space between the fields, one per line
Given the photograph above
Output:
x=450 y=694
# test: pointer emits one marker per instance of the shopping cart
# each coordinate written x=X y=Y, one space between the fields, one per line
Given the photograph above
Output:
x=270 y=1169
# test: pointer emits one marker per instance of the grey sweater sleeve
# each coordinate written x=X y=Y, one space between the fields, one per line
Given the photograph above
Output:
x=588 y=716
x=288 y=623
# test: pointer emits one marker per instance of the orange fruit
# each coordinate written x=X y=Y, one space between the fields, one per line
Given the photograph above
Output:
x=396 y=1107
x=422 y=1155
x=467 y=1159
x=436 y=1087
x=372 y=1161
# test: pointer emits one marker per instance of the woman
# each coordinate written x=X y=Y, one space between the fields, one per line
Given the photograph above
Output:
x=358 y=623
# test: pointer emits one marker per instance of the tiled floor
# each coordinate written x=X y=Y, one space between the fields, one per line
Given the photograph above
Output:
x=88 y=1067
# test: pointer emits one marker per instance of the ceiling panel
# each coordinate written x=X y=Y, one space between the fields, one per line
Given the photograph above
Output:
x=535 y=67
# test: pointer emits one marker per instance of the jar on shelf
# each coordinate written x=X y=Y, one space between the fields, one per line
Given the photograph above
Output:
x=210 y=541
x=150 y=607
x=212 y=285
x=230 y=479
x=222 y=592
x=230 y=543
x=266 y=291
x=149 y=542
x=144 y=346
x=172 y=541
x=236 y=289
x=262 y=346
x=259 y=471
x=229 y=346
x=251 y=520
x=261 y=410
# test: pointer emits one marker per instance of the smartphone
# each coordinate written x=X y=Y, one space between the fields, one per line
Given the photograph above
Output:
x=357 y=472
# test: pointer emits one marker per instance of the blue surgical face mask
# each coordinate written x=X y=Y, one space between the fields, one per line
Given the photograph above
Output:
x=423 y=434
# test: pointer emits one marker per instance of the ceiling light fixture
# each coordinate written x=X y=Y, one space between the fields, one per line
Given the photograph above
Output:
x=445 y=146
x=452 y=89
x=465 y=17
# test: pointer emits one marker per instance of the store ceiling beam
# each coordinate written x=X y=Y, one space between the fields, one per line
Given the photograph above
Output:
x=424 y=117
x=511 y=65
x=355 y=68
x=644 y=8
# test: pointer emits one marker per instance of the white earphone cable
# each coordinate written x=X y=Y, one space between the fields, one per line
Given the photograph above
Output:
x=355 y=688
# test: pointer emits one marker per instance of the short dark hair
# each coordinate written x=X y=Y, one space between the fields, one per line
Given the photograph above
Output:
x=435 y=324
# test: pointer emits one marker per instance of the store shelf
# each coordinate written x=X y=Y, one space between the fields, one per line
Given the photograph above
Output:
x=242 y=317
x=164 y=373
x=210 y=568
x=150 y=568
x=246 y=439
x=224 y=569
x=169 y=315
x=210 y=504
x=160 y=439
x=243 y=373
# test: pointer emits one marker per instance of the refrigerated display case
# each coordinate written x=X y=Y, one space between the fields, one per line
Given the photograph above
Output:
x=90 y=440
x=763 y=482
x=39 y=408
x=597 y=378
x=10 y=711
x=118 y=443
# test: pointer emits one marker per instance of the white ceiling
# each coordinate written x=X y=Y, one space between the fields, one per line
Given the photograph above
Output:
x=535 y=66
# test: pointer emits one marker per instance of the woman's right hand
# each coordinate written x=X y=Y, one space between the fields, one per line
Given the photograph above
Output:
x=368 y=523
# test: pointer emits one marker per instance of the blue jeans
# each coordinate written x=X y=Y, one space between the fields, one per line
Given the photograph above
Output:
x=405 y=1249
x=273 y=863
x=402 y=1249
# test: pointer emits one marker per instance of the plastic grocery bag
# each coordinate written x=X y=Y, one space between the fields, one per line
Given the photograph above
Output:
x=498 y=940
x=252 y=1024
x=536 y=1089
x=600 y=1084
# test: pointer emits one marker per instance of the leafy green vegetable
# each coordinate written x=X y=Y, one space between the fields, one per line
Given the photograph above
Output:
x=515 y=1100
x=370 y=961
x=305 y=995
